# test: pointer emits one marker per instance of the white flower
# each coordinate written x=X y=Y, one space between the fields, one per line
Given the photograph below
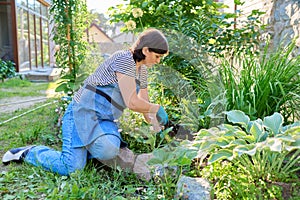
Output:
x=131 y=25
x=211 y=41
x=137 y=12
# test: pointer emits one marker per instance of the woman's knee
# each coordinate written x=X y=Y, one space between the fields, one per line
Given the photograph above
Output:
x=105 y=147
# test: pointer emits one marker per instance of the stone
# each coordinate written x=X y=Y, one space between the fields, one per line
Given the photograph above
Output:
x=193 y=189
x=141 y=168
x=131 y=162
x=125 y=159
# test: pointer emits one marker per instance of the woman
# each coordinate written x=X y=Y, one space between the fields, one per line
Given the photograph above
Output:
x=90 y=124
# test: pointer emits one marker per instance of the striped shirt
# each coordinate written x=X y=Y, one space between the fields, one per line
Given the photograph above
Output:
x=105 y=74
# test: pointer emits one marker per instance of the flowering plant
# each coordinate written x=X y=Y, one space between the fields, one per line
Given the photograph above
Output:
x=131 y=24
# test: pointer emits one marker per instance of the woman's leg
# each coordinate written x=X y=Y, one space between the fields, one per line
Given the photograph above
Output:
x=105 y=147
x=64 y=162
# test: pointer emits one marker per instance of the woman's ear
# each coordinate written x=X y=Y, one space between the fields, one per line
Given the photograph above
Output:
x=145 y=50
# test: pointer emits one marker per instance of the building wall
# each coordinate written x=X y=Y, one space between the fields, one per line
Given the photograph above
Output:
x=95 y=35
x=282 y=18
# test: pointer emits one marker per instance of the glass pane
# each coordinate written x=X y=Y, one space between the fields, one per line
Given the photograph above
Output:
x=32 y=40
x=37 y=6
x=22 y=2
x=6 y=45
x=45 y=42
x=23 y=39
x=44 y=11
x=31 y=4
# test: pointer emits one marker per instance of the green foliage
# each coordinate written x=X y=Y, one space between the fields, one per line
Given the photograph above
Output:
x=230 y=182
x=7 y=69
x=262 y=85
x=70 y=22
x=202 y=21
x=265 y=148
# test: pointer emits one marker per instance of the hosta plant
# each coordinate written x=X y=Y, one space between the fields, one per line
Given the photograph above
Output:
x=265 y=148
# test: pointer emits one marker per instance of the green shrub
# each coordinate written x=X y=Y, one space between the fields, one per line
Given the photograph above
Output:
x=7 y=69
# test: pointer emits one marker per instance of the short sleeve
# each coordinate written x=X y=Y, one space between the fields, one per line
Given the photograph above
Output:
x=125 y=65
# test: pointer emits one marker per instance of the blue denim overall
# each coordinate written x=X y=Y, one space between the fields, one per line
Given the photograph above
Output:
x=89 y=130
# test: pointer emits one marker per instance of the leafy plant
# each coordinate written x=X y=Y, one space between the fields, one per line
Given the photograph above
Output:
x=265 y=148
x=260 y=86
x=230 y=182
x=69 y=19
x=7 y=69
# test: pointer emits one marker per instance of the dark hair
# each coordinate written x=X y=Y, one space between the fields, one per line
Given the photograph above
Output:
x=139 y=56
x=151 y=38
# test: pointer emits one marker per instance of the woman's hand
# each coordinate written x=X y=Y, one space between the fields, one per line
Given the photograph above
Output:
x=152 y=119
x=162 y=116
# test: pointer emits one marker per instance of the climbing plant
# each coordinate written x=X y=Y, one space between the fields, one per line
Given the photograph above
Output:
x=69 y=19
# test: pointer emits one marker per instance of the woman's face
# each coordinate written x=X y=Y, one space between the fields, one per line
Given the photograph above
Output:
x=152 y=58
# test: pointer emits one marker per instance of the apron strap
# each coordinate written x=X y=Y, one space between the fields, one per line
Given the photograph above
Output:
x=106 y=96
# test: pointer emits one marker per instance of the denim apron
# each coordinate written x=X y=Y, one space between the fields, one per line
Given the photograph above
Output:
x=95 y=116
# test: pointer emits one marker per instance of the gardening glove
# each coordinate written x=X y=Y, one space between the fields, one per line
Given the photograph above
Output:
x=162 y=116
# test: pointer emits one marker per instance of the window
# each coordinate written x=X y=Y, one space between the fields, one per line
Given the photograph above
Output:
x=33 y=38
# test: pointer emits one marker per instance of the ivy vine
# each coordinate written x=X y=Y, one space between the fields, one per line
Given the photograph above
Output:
x=70 y=21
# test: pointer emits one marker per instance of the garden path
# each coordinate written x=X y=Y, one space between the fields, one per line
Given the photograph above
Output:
x=11 y=104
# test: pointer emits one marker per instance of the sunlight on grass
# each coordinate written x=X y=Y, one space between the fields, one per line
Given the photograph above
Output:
x=24 y=88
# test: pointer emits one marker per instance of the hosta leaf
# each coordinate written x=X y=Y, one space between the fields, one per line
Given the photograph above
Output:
x=207 y=145
x=286 y=138
x=229 y=127
x=294 y=145
x=238 y=117
x=293 y=130
x=229 y=134
x=239 y=142
x=249 y=138
x=295 y=124
x=257 y=131
x=222 y=143
x=220 y=155
x=240 y=134
x=245 y=149
x=275 y=144
x=274 y=123
x=205 y=133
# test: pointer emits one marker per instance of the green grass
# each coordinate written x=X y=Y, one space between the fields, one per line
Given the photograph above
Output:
x=23 y=88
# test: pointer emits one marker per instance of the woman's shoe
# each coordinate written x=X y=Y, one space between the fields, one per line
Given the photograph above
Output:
x=15 y=155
